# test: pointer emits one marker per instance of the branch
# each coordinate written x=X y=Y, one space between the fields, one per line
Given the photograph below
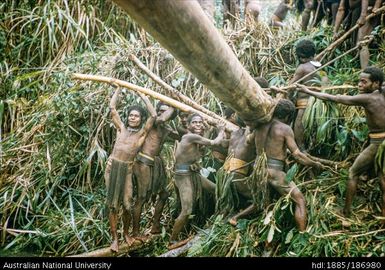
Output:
x=333 y=45
x=172 y=102
x=172 y=91
x=107 y=252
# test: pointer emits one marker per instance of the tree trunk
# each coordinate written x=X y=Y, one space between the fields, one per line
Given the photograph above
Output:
x=208 y=7
x=185 y=31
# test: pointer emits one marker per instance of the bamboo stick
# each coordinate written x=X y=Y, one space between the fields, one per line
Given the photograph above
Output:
x=172 y=102
x=172 y=91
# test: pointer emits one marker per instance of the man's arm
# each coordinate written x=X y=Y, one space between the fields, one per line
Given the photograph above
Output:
x=114 y=113
x=164 y=117
x=358 y=100
x=195 y=138
x=364 y=12
x=151 y=119
x=297 y=154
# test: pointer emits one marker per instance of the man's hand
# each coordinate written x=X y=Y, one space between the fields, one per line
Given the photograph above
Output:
x=361 y=21
x=302 y=88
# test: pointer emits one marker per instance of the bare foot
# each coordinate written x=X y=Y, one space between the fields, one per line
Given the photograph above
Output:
x=233 y=221
x=141 y=238
x=174 y=244
x=129 y=240
x=114 y=246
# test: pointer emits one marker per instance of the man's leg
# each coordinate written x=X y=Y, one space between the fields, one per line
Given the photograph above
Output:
x=162 y=199
x=185 y=189
x=127 y=200
x=249 y=210
x=143 y=176
x=382 y=184
x=362 y=163
x=113 y=218
x=207 y=185
x=299 y=130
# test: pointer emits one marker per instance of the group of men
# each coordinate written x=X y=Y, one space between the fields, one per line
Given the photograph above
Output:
x=248 y=160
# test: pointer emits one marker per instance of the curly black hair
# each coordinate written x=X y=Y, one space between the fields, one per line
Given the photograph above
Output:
x=305 y=48
x=376 y=74
x=143 y=112
x=283 y=109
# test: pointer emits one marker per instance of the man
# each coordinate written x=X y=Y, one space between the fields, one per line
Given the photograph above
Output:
x=252 y=11
x=149 y=170
x=280 y=13
x=118 y=175
x=188 y=181
x=305 y=50
x=372 y=99
x=273 y=139
x=219 y=153
x=241 y=154
x=182 y=128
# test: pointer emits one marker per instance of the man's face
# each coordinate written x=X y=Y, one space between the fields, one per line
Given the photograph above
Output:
x=196 y=125
x=365 y=85
x=134 y=119
x=183 y=119
x=162 y=109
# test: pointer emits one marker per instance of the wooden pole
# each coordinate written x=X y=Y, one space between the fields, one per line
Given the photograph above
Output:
x=183 y=29
x=172 y=91
x=174 y=103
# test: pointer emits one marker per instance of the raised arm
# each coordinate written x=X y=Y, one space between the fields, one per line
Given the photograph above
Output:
x=165 y=116
x=296 y=153
x=114 y=113
x=358 y=100
x=151 y=118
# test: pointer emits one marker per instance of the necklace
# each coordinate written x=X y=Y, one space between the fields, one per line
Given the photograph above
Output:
x=132 y=129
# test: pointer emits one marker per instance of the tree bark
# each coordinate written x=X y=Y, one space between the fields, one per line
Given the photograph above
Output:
x=185 y=31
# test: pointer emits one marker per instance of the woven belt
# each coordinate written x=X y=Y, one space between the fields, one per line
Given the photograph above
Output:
x=275 y=164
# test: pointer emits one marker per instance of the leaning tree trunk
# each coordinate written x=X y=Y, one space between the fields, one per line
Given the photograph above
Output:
x=208 y=7
x=185 y=31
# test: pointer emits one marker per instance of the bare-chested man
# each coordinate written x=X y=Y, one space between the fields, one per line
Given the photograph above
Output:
x=305 y=50
x=241 y=154
x=274 y=138
x=118 y=174
x=187 y=178
x=280 y=13
x=182 y=128
x=149 y=170
x=372 y=99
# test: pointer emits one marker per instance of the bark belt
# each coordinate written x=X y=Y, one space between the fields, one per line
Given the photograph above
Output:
x=182 y=168
x=377 y=138
x=276 y=164
x=236 y=165
x=145 y=159
x=302 y=103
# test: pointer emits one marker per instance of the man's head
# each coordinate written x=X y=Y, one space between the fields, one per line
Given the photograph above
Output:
x=183 y=118
x=195 y=124
x=135 y=116
x=262 y=82
x=371 y=79
x=305 y=50
x=230 y=115
x=284 y=111
x=161 y=108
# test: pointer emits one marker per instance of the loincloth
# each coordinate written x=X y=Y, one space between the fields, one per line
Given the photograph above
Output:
x=117 y=179
x=275 y=164
x=226 y=194
x=158 y=173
